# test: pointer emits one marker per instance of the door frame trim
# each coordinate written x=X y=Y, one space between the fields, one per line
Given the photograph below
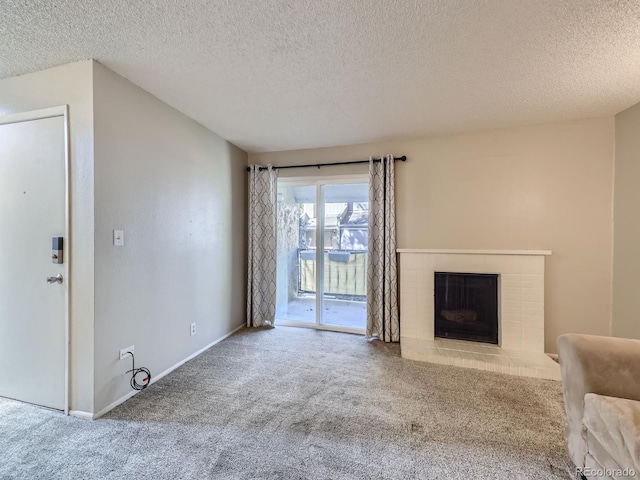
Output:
x=52 y=112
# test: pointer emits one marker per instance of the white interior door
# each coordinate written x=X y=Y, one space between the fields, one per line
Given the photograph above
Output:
x=32 y=311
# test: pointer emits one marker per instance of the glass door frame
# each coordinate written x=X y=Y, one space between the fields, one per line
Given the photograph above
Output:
x=319 y=182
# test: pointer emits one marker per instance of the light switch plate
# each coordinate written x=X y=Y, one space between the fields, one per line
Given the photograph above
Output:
x=118 y=238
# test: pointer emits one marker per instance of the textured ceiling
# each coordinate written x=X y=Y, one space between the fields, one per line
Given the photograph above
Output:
x=278 y=75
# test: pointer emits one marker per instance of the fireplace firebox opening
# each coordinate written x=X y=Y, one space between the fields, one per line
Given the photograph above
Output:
x=466 y=306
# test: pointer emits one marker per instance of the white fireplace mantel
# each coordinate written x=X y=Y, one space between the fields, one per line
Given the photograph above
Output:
x=521 y=310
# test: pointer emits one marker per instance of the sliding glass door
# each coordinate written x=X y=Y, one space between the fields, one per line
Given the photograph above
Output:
x=295 y=291
x=344 y=260
x=322 y=253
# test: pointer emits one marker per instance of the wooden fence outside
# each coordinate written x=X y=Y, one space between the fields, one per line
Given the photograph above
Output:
x=345 y=273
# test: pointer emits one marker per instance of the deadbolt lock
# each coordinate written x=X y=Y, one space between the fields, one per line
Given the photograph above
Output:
x=56 y=249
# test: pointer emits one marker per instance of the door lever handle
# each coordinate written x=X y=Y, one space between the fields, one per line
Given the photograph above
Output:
x=57 y=279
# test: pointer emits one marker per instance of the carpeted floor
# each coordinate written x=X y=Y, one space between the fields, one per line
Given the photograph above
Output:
x=291 y=403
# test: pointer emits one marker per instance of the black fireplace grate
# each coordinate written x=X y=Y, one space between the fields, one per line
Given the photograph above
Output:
x=466 y=306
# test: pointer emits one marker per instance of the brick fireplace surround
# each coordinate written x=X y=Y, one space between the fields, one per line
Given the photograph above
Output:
x=520 y=305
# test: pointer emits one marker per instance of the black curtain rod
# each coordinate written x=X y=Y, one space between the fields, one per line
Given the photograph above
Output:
x=403 y=158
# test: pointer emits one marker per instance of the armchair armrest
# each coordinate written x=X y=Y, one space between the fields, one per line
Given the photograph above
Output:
x=592 y=364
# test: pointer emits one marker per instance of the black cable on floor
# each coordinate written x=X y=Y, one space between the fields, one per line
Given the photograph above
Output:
x=136 y=371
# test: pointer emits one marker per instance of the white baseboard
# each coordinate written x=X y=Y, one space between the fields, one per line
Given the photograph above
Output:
x=155 y=378
x=81 y=414
x=194 y=355
x=116 y=403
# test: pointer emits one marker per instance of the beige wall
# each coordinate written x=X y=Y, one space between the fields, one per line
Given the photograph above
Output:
x=545 y=187
x=626 y=261
x=179 y=193
x=70 y=84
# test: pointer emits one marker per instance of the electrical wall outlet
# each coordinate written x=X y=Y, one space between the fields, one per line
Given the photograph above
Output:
x=125 y=351
x=193 y=329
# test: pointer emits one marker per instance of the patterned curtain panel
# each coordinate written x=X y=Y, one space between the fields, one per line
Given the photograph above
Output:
x=261 y=288
x=382 y=269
